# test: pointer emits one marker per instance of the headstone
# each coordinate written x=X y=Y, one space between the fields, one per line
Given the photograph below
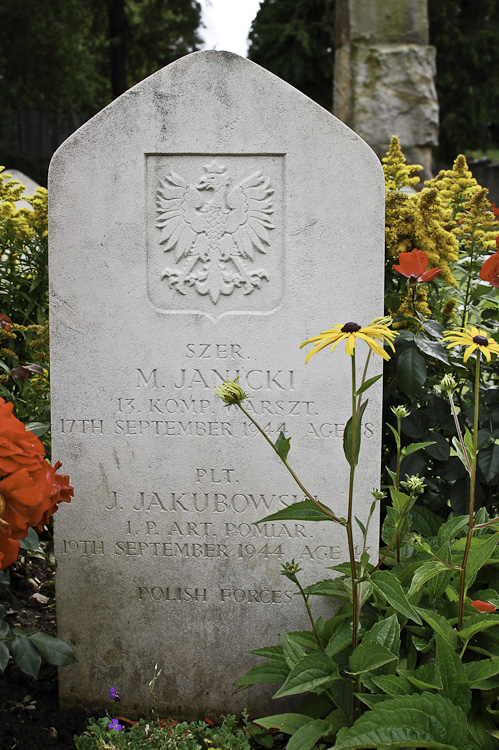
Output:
x=384 y=75
x=201 y=227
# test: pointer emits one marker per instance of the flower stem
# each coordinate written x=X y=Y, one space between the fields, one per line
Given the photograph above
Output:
x=349 y=523
x=310 y=616
x=327 y=512
x=471 y=515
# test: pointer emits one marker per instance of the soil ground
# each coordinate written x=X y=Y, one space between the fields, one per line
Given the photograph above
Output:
x=29 y=713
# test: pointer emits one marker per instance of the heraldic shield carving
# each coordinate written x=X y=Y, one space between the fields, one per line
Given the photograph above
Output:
x=217 y=231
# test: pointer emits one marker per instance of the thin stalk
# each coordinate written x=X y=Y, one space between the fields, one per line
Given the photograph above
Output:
x=349 y=523
x=325 y=510
x=468 y=286
x=310 y=616
x=471 y=517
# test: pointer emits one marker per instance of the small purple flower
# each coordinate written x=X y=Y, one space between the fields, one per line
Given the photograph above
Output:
x=114 y=695
x=115 y=725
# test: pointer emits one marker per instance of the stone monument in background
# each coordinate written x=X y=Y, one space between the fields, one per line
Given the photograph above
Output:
x=202 y=226
x=384 y=75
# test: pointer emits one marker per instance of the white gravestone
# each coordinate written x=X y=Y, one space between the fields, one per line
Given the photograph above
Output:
x=201 y=227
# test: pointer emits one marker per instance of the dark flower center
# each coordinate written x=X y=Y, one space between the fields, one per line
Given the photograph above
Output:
x=351 y=328
x=480 y=340
x=412 y=279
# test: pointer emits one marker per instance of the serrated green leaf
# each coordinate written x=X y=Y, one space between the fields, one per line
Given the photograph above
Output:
x=425 y=677
x=480 y=551
x=291 y=650
x=306 y=737
x=368 y=656
x=454 y=679
x=329 y=587
x=388 y=585
x=4 y=656
x=305 y=510
x=478 y=671
x=270 y=652
x=440 y=625
x=425 y=573
x=287 y=723
x=399 y=499
x=341 y=638
x=352 y=456
x=53 y=650
x=393 y=684
x=385 y=633
x=408 y=721
x=482 y=622
x=368 y=384
x=26 y=655
x=282 y=446
x=38 y=428
x=269 y=672
x=310 y=673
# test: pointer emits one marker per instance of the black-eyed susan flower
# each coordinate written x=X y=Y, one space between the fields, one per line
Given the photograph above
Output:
x=472 y=338
x=371 y=334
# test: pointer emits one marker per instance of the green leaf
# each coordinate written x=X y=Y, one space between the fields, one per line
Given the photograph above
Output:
x=413 y=447
x=282 y=446
x=341 y=638
x=311 y=673
x=270 y=652
x=454 y=679
x=464 y=457
x=38 y=428
x=329 y=587
x=395 y=434
x=291 y=650
x=287 y=723
x=305 y=510
x=385 y=633
x=432 y=348
x=482 y=622
x=425 y=573
x=411 y=371
x=368 y=656
x=425 y=677
x=271 y=671
x=393 y=684
x=306 y=737
x=387 y=584
x=488 y=461
x=477 y=671
x=480 y=551
x=368 y=384
x=53 y=650
x=348 y=437
x=26 y=655
x=31 y=540
x=417 y=721
x=4 y=656
x=440 y=625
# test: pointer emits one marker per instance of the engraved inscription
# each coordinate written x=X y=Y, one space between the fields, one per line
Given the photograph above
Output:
x=213 y=228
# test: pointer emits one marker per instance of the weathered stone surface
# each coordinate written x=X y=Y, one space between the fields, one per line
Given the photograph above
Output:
x=202 y=226
x=384 y=75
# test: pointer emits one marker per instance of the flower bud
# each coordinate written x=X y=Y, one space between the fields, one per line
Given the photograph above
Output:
x=448 y=383
x=378 y=494
x=290 y=569
x=401 y=411
x=230 y=392
x=414 y=484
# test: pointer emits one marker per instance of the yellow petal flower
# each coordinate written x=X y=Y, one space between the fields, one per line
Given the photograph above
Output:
x=472 y=338
x=371 y=334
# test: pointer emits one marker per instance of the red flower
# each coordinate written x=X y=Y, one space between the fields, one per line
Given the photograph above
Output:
x=413 y=266
x=483 y=606
x=19 y=448
x=5 y=322
x=20 y=500
x=9 y=548
x=55 y=489
x=490 y=269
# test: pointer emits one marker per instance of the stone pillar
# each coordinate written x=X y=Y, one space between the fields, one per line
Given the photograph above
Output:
x=384 y=75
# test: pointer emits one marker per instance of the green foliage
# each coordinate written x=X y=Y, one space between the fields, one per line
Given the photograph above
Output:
x=28 y=649
x=158 y=735
x=295 y=40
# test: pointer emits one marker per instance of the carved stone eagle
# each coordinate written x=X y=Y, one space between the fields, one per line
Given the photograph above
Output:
x=213 y=229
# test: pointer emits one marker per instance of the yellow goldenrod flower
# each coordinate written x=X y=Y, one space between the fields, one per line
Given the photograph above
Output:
x=472 y=338
x=230 y=392
x=351 y=331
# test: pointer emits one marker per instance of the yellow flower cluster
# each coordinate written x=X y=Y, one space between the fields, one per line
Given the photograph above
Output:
x=24 y=224
x=418 y=220
x=474 y=222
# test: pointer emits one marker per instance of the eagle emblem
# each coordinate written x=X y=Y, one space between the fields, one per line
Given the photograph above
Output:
x=213 y=228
